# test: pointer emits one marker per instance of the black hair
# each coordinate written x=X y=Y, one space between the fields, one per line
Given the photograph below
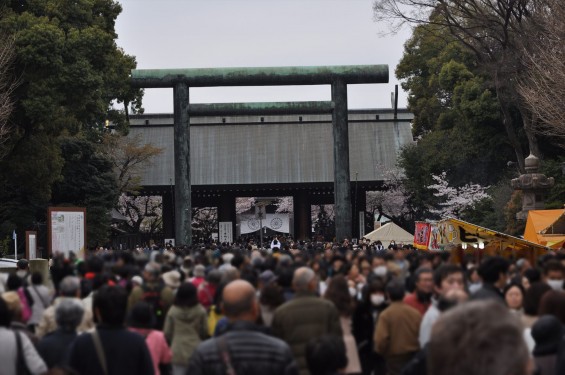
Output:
x=14 y=282
x=553 y=265
x=326 y=355
x=491 y=269
x=443 y=271
x=395 y=290
x=517 y=285
x=36 y=278
x=532 y=297
x=533 y=275
x=186 y=295
x=111 y=302
x=5 y=314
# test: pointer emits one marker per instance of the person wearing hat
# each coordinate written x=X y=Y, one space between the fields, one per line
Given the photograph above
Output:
x=141 y=320
x=172 y=280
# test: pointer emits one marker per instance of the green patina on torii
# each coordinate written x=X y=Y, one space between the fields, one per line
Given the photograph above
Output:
x=336 y=76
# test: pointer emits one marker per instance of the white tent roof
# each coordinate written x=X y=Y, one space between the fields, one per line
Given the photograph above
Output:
x=390 y=232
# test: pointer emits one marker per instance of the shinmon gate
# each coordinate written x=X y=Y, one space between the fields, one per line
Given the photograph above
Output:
x=316 y=152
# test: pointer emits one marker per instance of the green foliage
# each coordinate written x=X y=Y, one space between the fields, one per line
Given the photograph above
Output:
x=555 y=168
x=457 y=121
x=88 y=181
x=71 y=72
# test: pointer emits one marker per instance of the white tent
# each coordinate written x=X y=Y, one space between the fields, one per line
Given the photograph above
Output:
x=390 y=232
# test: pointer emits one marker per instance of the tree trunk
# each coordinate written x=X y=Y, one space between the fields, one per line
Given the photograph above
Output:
x=529 y=120
x=508 y=123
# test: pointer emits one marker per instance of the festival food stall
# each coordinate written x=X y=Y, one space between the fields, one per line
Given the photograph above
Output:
x=462 y=238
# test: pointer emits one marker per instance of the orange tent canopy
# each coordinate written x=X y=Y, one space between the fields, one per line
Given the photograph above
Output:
x=546 y=227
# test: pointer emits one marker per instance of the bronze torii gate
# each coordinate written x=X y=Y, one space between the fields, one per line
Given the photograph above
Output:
x=336 y=76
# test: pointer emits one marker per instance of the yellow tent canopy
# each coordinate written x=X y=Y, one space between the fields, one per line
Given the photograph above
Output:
x=451 y=234
x=546 y=227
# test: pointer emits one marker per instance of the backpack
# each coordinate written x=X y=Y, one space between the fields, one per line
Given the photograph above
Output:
x=152 y=295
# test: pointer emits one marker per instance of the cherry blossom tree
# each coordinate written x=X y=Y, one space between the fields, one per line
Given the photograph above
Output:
x=284 y=205
x=455 y=200
x=244 y=204
x=204 y=222
x=392 y=201
x=144 y=213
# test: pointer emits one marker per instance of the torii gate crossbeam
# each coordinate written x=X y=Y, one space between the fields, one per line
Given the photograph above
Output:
x=336 y=76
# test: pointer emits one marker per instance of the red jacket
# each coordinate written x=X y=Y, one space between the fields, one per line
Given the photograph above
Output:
x=412 y=301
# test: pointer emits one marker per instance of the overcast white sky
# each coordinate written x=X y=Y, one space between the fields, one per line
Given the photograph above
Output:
x=245 y=33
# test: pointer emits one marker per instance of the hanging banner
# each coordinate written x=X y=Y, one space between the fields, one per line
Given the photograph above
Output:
x=433 y=245
x=422 y=235
x=225 y=231
x=277 y=222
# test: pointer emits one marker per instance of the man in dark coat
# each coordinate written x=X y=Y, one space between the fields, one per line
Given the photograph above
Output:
x=305 y=317
x=243 y=349
x=118 y=350
x=494 y=273
x=54 y=346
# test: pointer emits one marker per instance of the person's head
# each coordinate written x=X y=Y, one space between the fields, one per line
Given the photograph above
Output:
x=338 y=293
x=14 y=282
x=395 y=290
x=514 y=296
x=326 y=355
x=68 y=314
x=424 y=280
x=199 y=270
x=70 y=287
x=214 y=277
x=240 y=302
x=152 y=271
x=448 y=277
x=272 y=295
x=14 y=304
x=547 y=332
x=304 y=280
x=374 y=293
x=142 y=316
x=186 y=296
x=494 y=271
x=22 y=264
x=476 y=338
x=553 y=303
x=36 y=278
x=533 y=275
x=110 y=305
x=553 y=274
x=533 y=296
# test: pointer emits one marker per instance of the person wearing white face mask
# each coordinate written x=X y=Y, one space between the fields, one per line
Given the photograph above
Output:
x=553 y=274
x=365 y=318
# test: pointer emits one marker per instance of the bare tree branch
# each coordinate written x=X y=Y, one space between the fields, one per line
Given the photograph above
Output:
x=7 y=86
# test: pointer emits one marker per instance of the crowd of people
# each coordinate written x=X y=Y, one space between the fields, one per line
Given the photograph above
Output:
x=292 y=308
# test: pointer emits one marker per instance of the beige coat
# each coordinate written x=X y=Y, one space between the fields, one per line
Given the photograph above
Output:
x=48 y=324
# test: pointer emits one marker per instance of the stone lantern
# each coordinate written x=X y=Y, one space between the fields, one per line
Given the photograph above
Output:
x=534 y=185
